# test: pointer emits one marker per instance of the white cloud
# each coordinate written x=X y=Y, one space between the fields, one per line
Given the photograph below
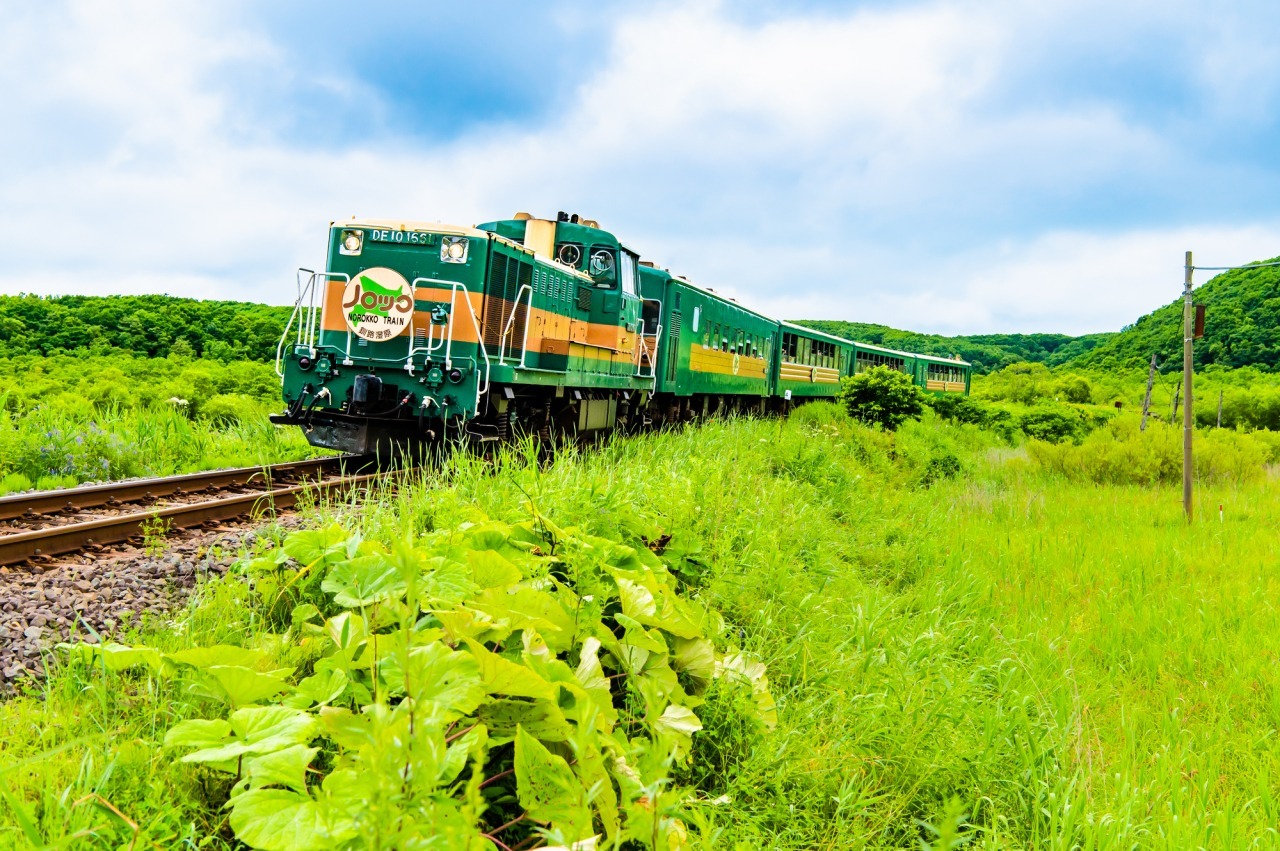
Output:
x=864 y=165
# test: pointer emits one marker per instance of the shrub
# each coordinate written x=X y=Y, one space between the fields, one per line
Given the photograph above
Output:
x=965 y=410
x=1075 y=388
x=1052 y=424
x=1121 y=454
x=228 y=409
x=882 y=396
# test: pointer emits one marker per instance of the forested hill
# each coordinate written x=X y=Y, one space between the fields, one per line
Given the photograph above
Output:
x=147 y=325
x=987 y=352
x=1242 y=326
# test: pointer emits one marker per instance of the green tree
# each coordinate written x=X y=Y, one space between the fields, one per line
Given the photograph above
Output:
x=882 y=395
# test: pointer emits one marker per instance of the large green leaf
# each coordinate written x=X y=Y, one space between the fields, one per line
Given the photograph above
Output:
x=591 y=772
x=220 y=654
x=278 y=820
x=678 y=720
x=317 y=545
x=243 y=686
x=540 y=718
x=259 y=729
x=463 y=622
x=286 y=767
x=591 y=675
x=347 y=729
x=548 y=789
x=347 y=630
x=501 y=676
x=439 y=680
x=529 y=608
x=492 y=570
x=653 y=604
x=198 y=733
x=444 y=582
x=474 y=744
x=319 y=689
x=364 y=580
x=697 y=658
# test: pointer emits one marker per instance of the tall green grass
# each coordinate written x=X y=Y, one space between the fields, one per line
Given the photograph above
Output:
x=965 y=644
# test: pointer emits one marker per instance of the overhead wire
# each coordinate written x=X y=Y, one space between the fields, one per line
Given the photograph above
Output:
x=1230 y=268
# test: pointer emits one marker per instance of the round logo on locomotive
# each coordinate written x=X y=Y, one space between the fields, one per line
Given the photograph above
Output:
x=378 y=304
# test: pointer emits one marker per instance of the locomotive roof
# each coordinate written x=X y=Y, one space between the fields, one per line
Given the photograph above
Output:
x=406 y=224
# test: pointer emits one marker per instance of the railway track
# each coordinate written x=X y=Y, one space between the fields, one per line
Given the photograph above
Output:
x=65 y=521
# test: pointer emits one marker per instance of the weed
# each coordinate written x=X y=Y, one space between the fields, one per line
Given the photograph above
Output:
x=155 y=531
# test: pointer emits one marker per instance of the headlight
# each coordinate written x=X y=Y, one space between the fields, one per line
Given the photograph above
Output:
x=352 y=241
x=453 y=249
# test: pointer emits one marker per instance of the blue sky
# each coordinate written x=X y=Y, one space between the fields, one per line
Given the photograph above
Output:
x=959 y=167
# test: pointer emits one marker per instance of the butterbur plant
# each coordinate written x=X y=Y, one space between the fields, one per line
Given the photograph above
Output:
x=494 y=686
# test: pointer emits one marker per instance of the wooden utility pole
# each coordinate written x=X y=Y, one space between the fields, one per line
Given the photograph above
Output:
x=1146 y=400
x=1173 y=412
x=1188 y=338
x=1219 y=409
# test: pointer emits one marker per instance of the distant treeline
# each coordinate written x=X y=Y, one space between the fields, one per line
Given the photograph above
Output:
x=987 y=352
x=1242 y=327
x=146 y=325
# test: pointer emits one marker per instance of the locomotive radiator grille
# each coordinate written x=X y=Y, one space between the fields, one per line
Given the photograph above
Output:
x=506 y=279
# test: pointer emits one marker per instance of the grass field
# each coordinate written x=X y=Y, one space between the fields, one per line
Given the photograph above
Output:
x=968 y=644
x=71 y=419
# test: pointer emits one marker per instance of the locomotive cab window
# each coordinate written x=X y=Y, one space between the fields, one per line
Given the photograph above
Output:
x=602 y=267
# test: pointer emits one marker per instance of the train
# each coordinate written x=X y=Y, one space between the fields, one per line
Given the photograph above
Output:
x=420 y=332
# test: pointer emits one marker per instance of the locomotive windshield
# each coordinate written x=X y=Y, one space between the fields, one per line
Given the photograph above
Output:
x=601 y=266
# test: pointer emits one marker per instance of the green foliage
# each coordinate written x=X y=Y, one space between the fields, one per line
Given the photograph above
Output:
x=1052 y=423
x=445 y=653
x=154 y=531
x=66 y=420
x=881 y=396
x=987 y=352
x=144 y=325
x=967 y=410
x=1121 y=454
x=978 y=661
x=1242 y=327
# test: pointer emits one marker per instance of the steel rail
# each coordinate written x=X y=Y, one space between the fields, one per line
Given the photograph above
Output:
x=112 y=493
x=58 y=540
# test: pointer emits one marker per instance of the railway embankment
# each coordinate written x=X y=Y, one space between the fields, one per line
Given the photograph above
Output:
x=101 y=597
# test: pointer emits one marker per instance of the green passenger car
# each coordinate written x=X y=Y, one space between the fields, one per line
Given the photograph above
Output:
x=931 y=373
x=714 y=351
x=810 y=363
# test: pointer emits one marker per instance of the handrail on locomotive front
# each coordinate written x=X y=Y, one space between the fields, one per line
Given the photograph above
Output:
x=454 y=286
x=303 y=291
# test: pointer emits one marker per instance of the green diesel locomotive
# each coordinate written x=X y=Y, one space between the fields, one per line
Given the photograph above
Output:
x=429 y=332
